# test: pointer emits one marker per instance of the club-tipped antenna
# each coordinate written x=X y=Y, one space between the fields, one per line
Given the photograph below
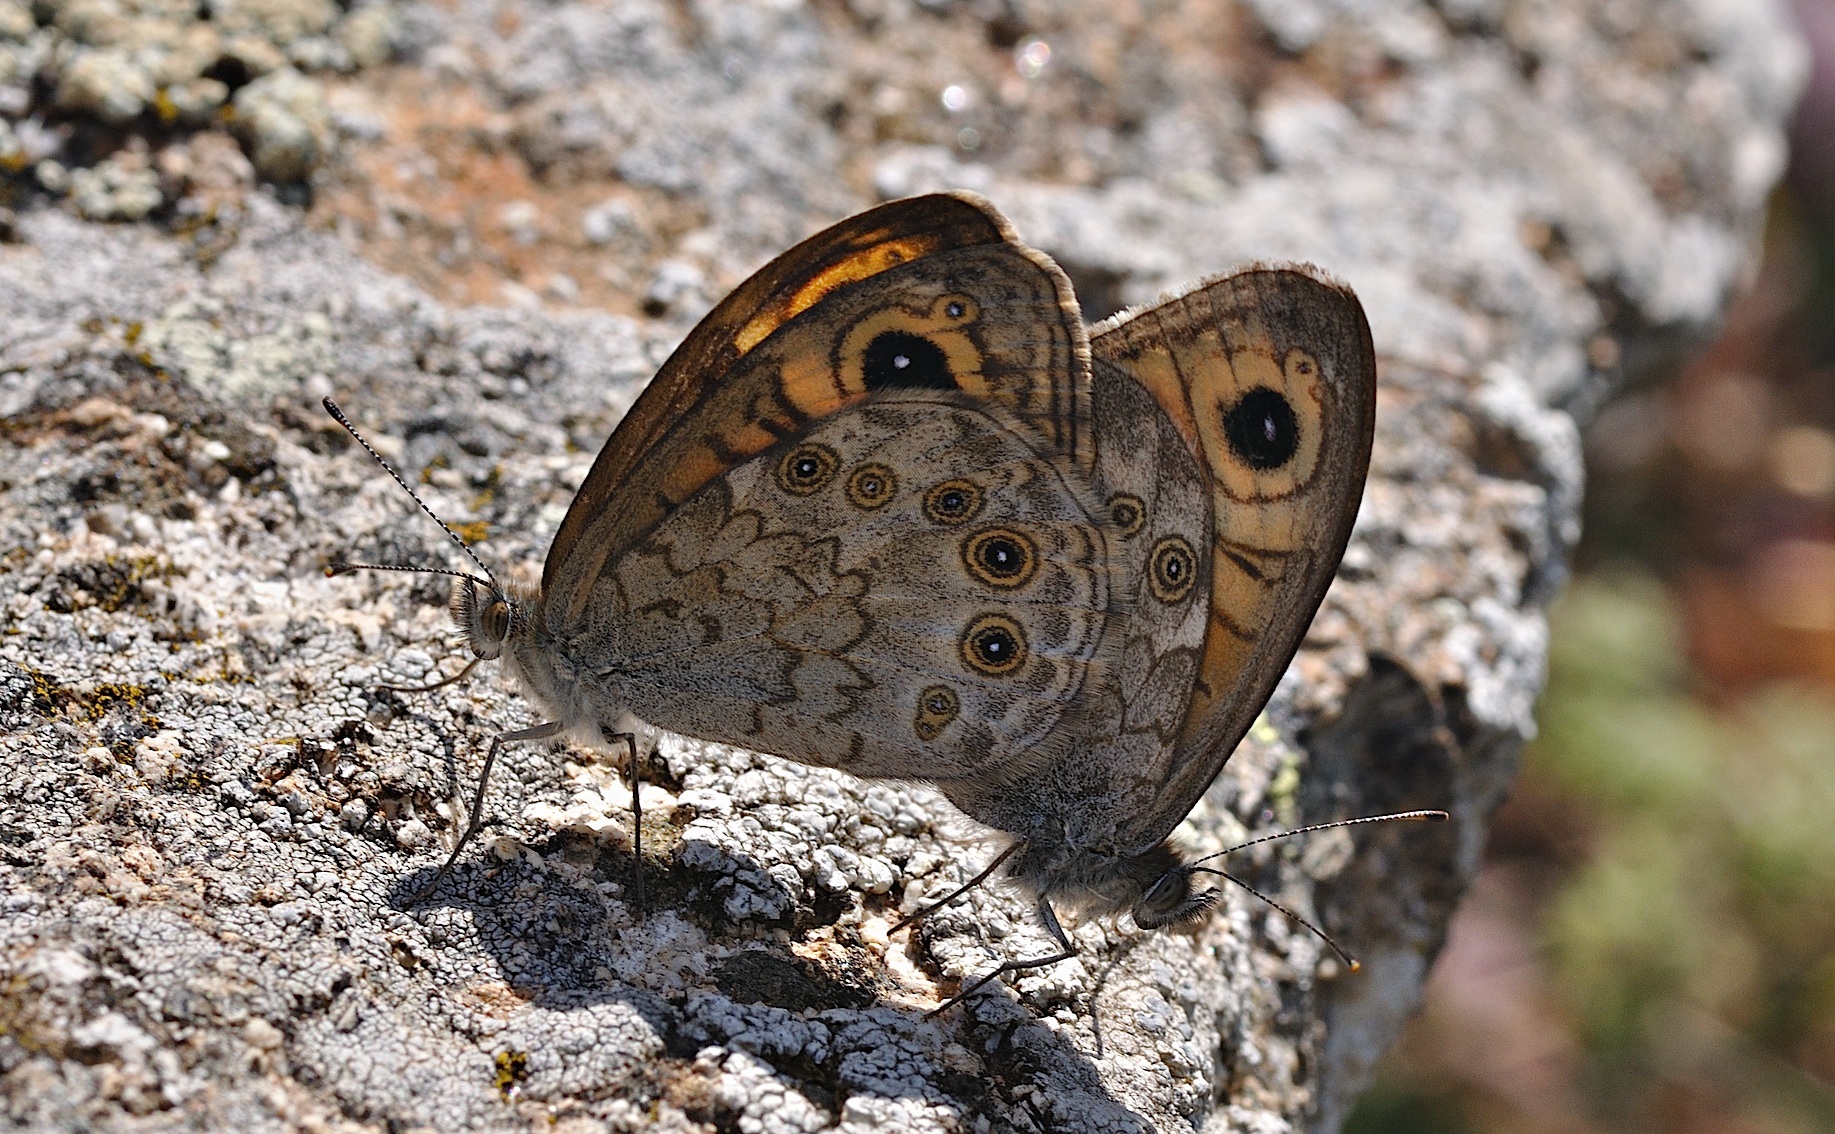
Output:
x=1429 y=815
x=337 y=415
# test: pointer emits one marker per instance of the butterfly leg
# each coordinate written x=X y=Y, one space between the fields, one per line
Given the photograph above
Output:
x=440 y=684
x=1050 y=918
x=538 y=732
x=960 y=890
x=637 y=823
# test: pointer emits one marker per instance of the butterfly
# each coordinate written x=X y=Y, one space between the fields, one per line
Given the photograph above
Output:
x=1233 y=425
x=890 y=508
x=850 y=522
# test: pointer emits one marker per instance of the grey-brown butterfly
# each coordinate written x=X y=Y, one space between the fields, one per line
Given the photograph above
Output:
x=882 y=512
x=851 y=521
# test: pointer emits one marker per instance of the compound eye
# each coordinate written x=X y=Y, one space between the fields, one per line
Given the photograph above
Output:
x=496 y=620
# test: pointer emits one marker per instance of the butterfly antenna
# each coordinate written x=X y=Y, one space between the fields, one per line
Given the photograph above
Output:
x=1350 y=962
x=337 y=415
x=1431 y=815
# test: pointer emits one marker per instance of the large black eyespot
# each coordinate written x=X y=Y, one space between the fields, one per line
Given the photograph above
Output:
x=1172 y=569
x=953 y=502
x=1261 y=429
x=994 y=644
x=937 y=705
x=1000 y=557
x=902 y=360
x=871 y=487
x=1129 y=514
x=807 y=469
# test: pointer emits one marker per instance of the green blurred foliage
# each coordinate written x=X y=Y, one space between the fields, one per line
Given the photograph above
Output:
x=1711 y=883
x=1690 y=945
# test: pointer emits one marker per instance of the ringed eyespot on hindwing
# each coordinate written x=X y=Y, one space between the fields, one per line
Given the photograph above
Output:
x=937 y=705
x=807 y=469
x=1172 y=569
x=1129 y=513
x=994 y=645
x=871 y=486
x=1000 y=557
x=953 y=502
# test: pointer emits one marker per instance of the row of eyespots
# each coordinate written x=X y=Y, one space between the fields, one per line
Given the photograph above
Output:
x=1172 y=565
x=812 y=466
x=993 y=645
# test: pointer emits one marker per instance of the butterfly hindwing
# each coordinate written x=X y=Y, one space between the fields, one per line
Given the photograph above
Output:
x=909 y=588
x=1269 y=376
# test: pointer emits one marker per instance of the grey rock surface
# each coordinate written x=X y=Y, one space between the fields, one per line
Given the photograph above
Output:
x=212 y=810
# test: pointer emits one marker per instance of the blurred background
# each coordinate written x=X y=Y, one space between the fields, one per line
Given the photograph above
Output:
x=1651 y=943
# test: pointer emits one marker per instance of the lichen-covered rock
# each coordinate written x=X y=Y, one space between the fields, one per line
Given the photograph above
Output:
x=143 y=68
x=121 y=188
x=216 y=801
x=284 y=120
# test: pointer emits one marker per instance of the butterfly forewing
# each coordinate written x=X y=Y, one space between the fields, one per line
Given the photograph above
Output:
x=927 y=293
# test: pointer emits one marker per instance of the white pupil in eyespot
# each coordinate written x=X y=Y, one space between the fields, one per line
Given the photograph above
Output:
x=900 y=361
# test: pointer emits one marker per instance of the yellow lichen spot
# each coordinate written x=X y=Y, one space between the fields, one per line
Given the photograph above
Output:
x=477 y=531
x=165 y=107
x=512 y=1069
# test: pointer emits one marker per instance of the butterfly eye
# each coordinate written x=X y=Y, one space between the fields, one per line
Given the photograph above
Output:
x=1262 y=430
x=496 y=620
x=994 y=645
x=953 y=501
x=1172 y=569
x=937 y=706
x=807 y=469
x=1000 y=557
x=871 y=487
x=1129 y=514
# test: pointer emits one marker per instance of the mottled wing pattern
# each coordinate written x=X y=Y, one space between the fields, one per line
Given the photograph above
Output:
x=911 y=587
x=928 y=293
x=1270 y=377
x=1160 y=507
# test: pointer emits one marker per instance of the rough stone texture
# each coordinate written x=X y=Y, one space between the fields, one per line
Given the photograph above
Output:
x=212 y=811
